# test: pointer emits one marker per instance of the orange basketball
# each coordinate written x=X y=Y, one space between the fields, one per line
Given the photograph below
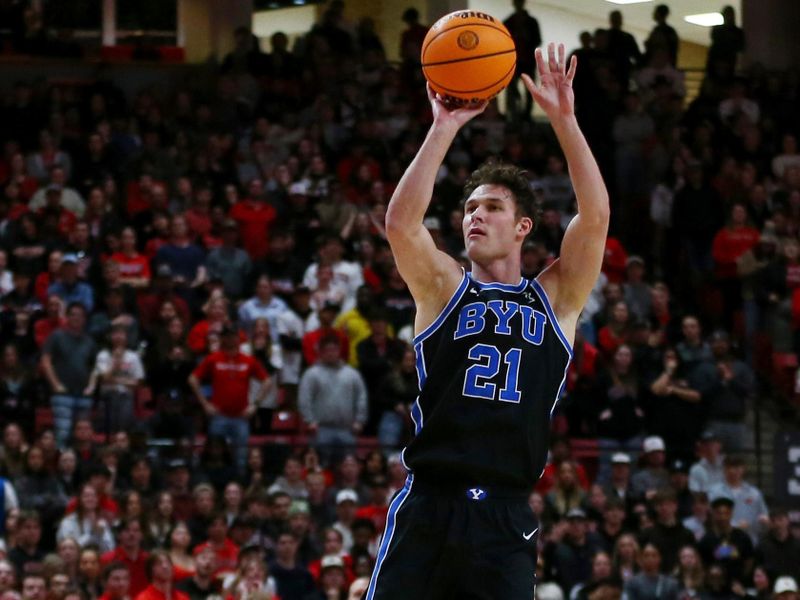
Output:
x=468 y=56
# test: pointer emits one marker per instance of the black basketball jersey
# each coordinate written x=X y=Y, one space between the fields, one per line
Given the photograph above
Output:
x=491 y=368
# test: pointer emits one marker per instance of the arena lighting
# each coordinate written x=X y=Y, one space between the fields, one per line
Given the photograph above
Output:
x=628 y=1
x=705 y=19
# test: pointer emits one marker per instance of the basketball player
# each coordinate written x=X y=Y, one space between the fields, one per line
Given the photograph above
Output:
x=492 y=351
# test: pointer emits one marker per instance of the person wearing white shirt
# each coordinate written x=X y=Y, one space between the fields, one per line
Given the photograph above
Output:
x=264 y=305
x=750 y=512
x=708 y=471
x=349 y=275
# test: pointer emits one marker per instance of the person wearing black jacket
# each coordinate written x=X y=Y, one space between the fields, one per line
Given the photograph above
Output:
x=38 y=490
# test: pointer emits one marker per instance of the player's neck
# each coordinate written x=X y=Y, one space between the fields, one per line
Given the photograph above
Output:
x=499 y=271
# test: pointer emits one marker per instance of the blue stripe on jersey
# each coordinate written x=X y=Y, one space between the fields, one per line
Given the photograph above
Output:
x=422 y=375
x=391 y=517
x=454 y=300
x=546 y=301
x=505 y=287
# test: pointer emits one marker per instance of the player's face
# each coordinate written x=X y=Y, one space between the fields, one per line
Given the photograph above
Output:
x=490 y=225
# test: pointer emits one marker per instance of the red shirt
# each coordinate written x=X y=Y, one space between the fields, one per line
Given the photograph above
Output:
x=151 y=593
x=548 y=478
x=230 y=380
x=376 y=514
x=198 y=222
x=42 y=282
x=136 y=568
x=106 y=505
x=614 y=261
x=44 y=327
x=132 y=266
x=729 y=245
x=227 y=555
x=254 y=219
x=311 y=343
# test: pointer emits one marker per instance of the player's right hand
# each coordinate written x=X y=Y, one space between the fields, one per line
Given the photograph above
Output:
x=449 y=115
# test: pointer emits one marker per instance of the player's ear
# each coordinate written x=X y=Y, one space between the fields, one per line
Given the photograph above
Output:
x=524 y=226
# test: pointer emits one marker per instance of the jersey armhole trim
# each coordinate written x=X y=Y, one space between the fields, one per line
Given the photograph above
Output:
x=552 y=315
x=451 y=304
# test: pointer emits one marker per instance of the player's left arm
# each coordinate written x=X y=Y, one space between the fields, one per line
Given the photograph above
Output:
x=569 y=280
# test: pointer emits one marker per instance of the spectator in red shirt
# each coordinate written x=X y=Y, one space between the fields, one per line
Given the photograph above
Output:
x=614 y=260
x=162 y=291
x=216 y=320
x=134 y=267
x=45 y=278
x=615 y=333
x=159 y=572
x=255 y=218
x=116 y=582
x=198 y=217
x=327 y=315
x=130 y=554
x=377 y=508
x=729 y=245
x=229 y=410
x=53 y=319
x=225 y=551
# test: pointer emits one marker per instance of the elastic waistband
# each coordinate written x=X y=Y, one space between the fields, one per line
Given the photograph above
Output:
x=474 y=492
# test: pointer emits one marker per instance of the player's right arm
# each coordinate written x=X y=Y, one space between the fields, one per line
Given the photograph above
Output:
x=431 y=275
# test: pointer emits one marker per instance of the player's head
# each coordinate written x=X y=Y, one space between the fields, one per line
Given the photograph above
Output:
x=500 y=211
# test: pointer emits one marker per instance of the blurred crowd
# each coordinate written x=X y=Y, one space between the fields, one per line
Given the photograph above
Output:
x=194 y=274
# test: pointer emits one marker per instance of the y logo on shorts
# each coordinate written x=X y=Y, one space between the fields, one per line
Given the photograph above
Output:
x=476 y=494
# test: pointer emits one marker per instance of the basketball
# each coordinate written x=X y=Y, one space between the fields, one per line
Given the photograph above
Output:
x=468 y=56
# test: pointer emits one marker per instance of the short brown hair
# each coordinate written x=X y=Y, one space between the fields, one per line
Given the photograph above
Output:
x=515 y=179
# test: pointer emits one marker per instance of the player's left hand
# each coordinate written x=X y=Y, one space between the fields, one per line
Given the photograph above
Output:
x=554 y=92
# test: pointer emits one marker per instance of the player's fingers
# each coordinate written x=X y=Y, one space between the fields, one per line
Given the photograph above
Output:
x=573 y=65
x=431 y=93
x=526 y=79
x=561 y=58
x=551 y=57
x=540 y=64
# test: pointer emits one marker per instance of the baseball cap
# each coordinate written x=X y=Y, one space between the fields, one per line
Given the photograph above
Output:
x=230 y=224
x=177 y=463
x=785 y=584
x=163 y=271
x=331 y=305
x=70 y=258
x=709 y=436
x=331 y=561
x=653 y=443
x=576 y=513
x=620 y=458
x=298 y=188
x=634 y=259
x=345 y=496
x=722 y=498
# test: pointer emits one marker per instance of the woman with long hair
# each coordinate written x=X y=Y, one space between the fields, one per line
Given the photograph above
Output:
x=89 y=572
x=178 y=543
x=690 y=573
x=267 y=351
x=38 y=490
x=69 y=551
x=162 y=519
x=86 y=524
x=134 y=267
x=567 y=492
x=17 y=389
x=626 y=556
x=251 y=580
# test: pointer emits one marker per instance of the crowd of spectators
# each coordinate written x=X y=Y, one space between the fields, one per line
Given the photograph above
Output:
x=185 y=269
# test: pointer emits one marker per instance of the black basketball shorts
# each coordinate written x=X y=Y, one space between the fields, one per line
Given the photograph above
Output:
x=471 y=543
